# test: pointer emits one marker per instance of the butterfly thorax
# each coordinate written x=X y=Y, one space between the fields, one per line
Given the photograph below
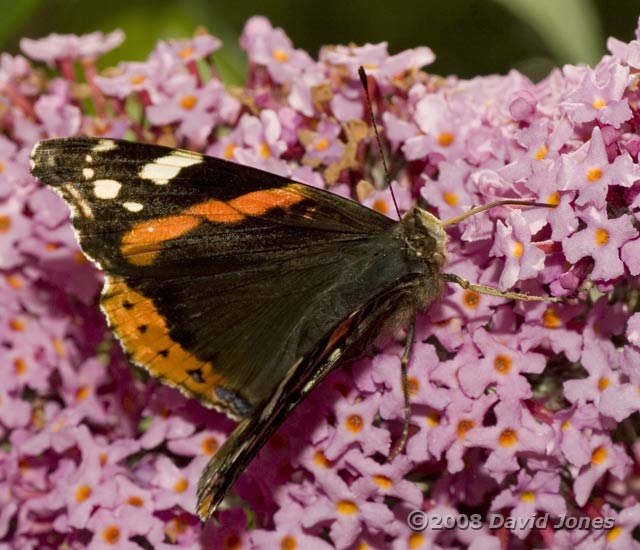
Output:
x=425 y=249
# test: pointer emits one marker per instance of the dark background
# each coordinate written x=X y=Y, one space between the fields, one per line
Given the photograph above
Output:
x=469 y=37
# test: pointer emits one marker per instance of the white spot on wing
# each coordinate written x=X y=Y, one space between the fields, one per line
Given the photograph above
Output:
x=32 y=162
x=164 y=169
x=79 y=200
x=132 y=206
x=106 y=189
x=35 y=148
x=105 y=145
x=88 y=158
x=88 y=173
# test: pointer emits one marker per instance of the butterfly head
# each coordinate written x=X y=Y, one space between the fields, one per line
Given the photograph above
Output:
x=425 y=237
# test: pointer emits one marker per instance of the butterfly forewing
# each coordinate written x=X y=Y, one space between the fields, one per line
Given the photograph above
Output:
x=220 y=277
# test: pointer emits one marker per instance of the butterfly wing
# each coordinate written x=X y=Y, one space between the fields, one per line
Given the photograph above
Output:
x=220 y=277
x=251 y=434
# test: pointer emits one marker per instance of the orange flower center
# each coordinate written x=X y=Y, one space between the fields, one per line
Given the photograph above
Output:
x=450 y=198
x=554 y=198
x=280 y=55
x=541 y=153
x=322 y=144
x=186 y=52
x=508 y=438
x=228 y=150
x=210 y=445
x=5 y=224
x=135 y=501
x=601 y=236
x=416 y=541
x=598 y=456
x=594 y=174
x=83 y=492
x=502 y=364
x=464 y=426
x=614 y=533
x=15 y=282
x=471 y=299
x=446 y=138
x=383 y=481
x=321 y=460
x=17 y=325
x=188 y=102
x=354 y=423
x=82 y=393
x=181 y=485
x=433 y=419
x=58 y=346
x=528 y=497
x=347 y=507
x=111 y=534
x=550 y=318
x=20 y=366
x=380 y=205
x=517 y=249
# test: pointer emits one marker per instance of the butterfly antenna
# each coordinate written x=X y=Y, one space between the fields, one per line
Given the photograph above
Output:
x=482 y=208
x=365 y=84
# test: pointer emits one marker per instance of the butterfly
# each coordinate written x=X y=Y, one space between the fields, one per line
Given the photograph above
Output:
x=241 y=288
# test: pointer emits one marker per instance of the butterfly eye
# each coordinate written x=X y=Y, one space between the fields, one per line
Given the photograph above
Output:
x=419 y=244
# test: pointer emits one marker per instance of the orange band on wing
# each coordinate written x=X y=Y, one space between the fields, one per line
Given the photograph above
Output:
x=145 y=336
x=142 y=244
x=216 y=211
x=257 y=203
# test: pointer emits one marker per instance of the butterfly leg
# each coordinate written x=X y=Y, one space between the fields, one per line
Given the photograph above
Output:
x=482 y=289
x=404 y=362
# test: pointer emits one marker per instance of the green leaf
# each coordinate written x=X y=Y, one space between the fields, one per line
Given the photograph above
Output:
x=14 y=15
x=570 y=28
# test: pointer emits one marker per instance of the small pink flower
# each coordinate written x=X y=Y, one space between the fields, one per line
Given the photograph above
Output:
x=272 y=48
x=599 y=96
x=606 y=457
x=601 y=240
x=529 y=495
x=196 y=110
x=347 y=514
x=592 y=174
x=523 y=259
x=355 y=426
x=516 y=432
x=69 y=46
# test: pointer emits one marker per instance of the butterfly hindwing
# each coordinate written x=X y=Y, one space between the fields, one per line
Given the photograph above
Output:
x=251 y=434
x=220 y=277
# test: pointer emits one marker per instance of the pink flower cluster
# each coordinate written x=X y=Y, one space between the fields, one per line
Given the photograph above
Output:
x=517 y=408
